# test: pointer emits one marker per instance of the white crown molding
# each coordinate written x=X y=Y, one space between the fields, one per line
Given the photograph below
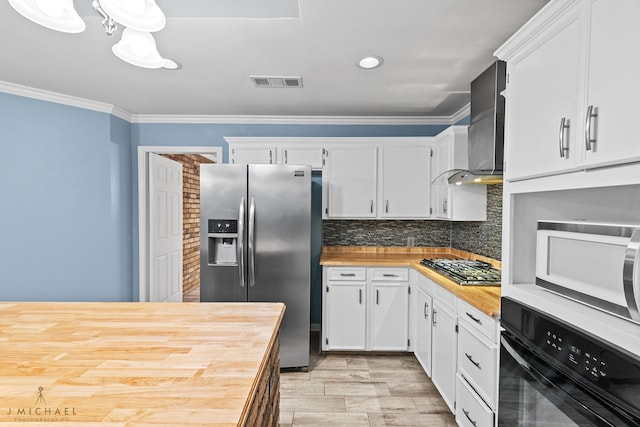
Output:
x=59 y=98
x=298 y=120
x=461 y=114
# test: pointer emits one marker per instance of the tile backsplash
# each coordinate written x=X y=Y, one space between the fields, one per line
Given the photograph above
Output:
x=481 y=237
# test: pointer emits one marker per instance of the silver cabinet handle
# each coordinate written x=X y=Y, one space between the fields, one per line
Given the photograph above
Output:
x=371 y=206
x=360 y=296
x=347 y=274
x=386 y=206
x=285 y=158
x=466 y=414
x=433 y=317
x=389 y=275
x=270 y=157
x=629 y=280
x=240 y=242
x=377 y=296
x=564 y=125
x=444 y=205
x=252 y=232
x=426 y=307
x=475 y=319
x=592 y=113
x=476 y=364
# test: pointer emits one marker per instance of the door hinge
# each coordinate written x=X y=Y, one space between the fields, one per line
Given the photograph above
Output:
x=326 y=210
x=507 y=77
x=430 y=211
x=456 y=328
x=409 y=289
x=326 y=341
x=454 y=405
x=430 y=153
x=408 y=343
x=327 y=289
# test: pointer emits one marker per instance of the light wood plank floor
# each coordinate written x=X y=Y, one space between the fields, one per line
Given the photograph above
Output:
x=358 y=390
x=361 y=390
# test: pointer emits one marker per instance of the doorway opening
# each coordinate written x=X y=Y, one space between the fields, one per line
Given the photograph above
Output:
x=190 y=158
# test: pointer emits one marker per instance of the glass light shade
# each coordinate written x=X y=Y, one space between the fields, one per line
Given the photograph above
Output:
x=142 y=15
x=138 y=48
x=59 y=15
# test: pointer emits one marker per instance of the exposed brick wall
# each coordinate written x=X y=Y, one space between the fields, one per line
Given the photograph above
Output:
x=190 y=218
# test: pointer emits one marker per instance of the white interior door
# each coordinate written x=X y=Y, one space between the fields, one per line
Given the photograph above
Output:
x=165 y=229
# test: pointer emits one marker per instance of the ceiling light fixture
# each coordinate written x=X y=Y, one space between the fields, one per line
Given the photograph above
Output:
x=59 y=15
x=370 y=62
x=140 y=17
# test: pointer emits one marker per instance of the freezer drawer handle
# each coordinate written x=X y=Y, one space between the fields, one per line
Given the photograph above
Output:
x=252 y=233
x=240 y=245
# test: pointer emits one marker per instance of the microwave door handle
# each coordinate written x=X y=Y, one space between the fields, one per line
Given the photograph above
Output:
x=629 y=279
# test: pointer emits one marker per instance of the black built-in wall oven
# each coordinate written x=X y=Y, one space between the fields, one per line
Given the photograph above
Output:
x=552 y=374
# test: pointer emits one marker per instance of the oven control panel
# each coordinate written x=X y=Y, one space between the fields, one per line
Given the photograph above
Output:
x=580 y=357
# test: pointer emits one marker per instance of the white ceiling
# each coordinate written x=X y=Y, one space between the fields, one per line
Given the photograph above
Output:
x=432 y=50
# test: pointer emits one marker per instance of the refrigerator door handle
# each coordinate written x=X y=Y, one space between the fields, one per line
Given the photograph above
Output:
x=240 y=245
x=251 y=242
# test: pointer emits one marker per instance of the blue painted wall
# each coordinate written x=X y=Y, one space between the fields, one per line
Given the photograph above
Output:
x=65 y=203
x=68 y=193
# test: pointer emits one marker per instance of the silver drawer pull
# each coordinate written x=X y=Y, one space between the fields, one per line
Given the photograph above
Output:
x=466 y=414
x=349 y=275
x=359 y=296
x=476 y=364
x=475 y=319
x=390 y=275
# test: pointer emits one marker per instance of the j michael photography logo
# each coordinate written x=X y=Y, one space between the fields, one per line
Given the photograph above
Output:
x=40 y=411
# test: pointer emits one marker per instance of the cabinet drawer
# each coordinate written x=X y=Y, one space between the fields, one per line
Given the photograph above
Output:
x=346 y=273
x=470 y=409
x=445 y=297
x=477 y=363
x=478 y=320
x=424 y=284
x=390 y=274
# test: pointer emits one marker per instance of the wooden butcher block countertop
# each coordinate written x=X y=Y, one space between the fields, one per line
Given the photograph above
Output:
x=132 y=364
x=484 y=298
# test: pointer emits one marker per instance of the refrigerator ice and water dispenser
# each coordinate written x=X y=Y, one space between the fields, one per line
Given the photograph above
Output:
x=223 y=242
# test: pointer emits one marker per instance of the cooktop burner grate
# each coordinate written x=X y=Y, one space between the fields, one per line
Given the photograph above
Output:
x=465 y=272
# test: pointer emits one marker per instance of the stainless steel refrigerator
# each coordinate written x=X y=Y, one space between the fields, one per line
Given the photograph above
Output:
x=255 y=243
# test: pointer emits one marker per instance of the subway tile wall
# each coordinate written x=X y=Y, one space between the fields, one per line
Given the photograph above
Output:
x=482 y=237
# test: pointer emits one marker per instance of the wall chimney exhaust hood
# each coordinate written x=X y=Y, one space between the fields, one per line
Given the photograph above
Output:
x=486 y=131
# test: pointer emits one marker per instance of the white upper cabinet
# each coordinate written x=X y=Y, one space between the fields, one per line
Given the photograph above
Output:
x=254 y=155
x=613 y=84
x=406 y=182
x=455 y=202
x=349 y=182
x=571 y=88
x=296 y=155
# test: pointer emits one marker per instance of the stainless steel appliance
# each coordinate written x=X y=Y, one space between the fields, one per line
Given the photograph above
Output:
x=255 y=243
x=595 y=263
x=465 y=272
x=554 y=374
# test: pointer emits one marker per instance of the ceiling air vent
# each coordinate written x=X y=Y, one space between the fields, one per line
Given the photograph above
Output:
x=278 y=82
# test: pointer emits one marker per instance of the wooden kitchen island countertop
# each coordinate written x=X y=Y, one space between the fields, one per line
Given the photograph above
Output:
x=139 y=364
x=484 y=298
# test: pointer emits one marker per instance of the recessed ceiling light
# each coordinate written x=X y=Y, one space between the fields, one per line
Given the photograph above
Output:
x=370 y=62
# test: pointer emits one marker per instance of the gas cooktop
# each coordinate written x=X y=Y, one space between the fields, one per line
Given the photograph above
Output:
x=465 y=272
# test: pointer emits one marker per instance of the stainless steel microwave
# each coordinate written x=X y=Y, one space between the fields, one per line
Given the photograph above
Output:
x=595 y=263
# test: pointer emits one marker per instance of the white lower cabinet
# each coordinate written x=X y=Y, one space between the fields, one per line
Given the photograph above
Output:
x=471 y=411
x=444 y=345
x=365 y=309
x=422 y=340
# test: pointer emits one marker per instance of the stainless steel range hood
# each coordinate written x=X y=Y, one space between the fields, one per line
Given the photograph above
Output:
x=486 y=131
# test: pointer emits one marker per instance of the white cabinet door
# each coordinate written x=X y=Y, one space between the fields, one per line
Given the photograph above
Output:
x=349 y=182
x=405 y=182
x=542 y=93
x=389 y=316
x=346 y=316
x=423 y=329
x=311 y=156
x=444 y=352
x=245 y=155
x=613 y=85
